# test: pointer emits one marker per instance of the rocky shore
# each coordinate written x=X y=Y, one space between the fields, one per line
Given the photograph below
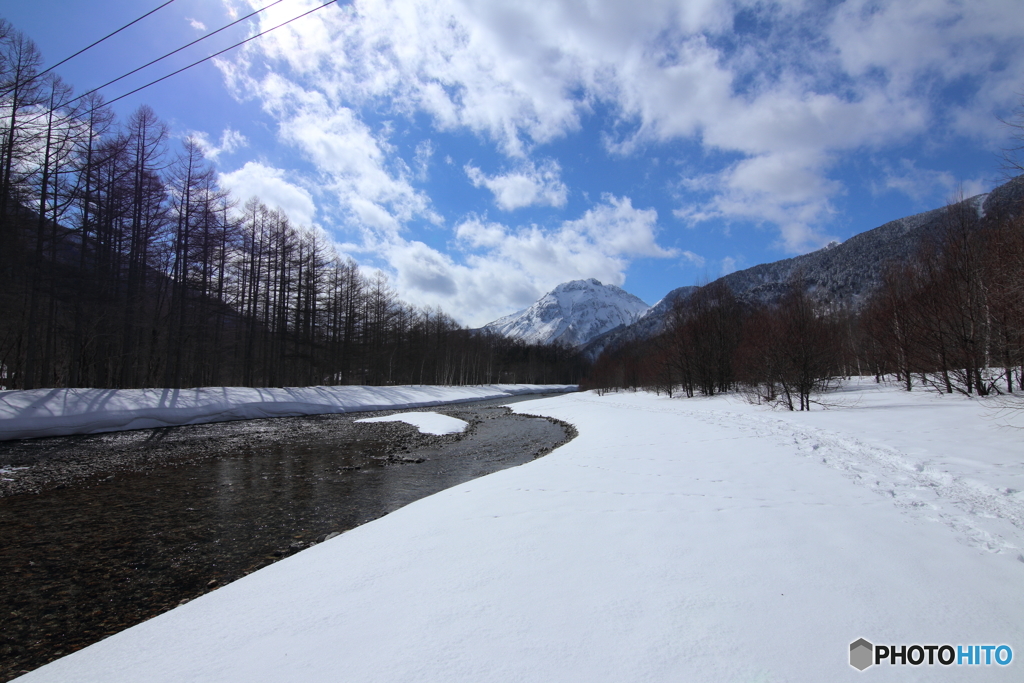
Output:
x=37 y=465
x=100 y=532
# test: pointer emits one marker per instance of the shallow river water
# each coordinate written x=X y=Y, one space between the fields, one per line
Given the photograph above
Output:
x=126 y=526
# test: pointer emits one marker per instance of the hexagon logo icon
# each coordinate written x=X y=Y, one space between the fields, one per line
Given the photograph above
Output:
x=861 y=654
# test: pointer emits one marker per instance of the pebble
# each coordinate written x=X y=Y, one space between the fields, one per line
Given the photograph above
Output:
x=35 y=465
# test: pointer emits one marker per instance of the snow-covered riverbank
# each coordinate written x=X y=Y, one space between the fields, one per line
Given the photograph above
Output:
x=672 y=540
x=59 y=412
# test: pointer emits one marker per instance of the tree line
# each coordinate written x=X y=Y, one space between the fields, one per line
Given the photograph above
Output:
x=123 y=264
x=951 y=319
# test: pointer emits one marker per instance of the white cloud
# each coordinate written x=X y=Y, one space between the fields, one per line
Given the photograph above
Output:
x=424 y=153
x=907 y=39
x=425 y=271
x=504 y=269
x=370 y=183
x=230 y=141
x=693 y=259
x=526 y=186
x=777 y=111
x=615 y=227
x=507 y=69
x=196 y=24
x=273 y=189
x=917 y=183
x=496 y=269
x=929 y=186
x=972 y=187
x=787 y=190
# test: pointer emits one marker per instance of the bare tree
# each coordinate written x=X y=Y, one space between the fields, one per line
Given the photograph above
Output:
x=22 y=95
x=791 y=352
x=705 y=329
x=1013 y=153
x=119 y=270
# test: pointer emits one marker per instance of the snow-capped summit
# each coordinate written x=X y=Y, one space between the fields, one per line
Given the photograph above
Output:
x=572 y=314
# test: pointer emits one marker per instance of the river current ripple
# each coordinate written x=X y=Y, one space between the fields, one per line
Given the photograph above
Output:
x=121 y=527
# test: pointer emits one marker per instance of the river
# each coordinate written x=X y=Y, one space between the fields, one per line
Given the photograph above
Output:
x=101 y=532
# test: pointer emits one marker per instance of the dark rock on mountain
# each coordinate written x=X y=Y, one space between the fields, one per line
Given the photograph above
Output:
x=841 y=274
x=572 y=314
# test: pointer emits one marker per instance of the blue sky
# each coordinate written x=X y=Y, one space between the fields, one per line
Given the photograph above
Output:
x=482 y=151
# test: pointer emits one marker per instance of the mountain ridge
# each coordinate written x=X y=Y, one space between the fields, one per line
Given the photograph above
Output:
x=571 y=314
x=841 y=274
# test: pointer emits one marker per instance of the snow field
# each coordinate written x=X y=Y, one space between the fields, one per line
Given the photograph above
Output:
x=427 y=423
x=672 y=540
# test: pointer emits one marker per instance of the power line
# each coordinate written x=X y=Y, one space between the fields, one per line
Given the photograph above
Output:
x=174 y=52
x=88 y=47
x=109 y=35
x=216 y=54
x=196 y=63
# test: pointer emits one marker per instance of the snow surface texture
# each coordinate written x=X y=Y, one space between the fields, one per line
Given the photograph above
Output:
x=58 y=412
x=427 y=423
x=572 y=313
x=672 y=540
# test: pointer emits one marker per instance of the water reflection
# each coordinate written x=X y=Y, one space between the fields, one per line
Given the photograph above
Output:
x=85 y=562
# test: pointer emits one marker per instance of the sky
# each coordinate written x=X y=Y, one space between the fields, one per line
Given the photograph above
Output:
x=480 y=152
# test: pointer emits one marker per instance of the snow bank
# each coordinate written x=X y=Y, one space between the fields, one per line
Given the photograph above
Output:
x=427 y=423
x=698 y=540
x=58 y=412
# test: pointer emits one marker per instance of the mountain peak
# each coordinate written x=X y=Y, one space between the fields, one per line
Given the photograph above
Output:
x=572 y=313
x=575 y=285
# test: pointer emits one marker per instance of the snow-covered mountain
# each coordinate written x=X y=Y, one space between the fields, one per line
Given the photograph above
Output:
x=572 y=314
x=650 y=323
x=841 y=274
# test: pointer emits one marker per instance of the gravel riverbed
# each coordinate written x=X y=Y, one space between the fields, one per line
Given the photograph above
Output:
x=100 y=532
x=37 y=465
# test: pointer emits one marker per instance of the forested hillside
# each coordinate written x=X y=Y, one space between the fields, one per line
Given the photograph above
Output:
x=934 y=300
x=839 y=275
x=124 y=264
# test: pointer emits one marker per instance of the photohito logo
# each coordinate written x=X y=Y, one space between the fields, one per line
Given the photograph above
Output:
x=863 y=654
